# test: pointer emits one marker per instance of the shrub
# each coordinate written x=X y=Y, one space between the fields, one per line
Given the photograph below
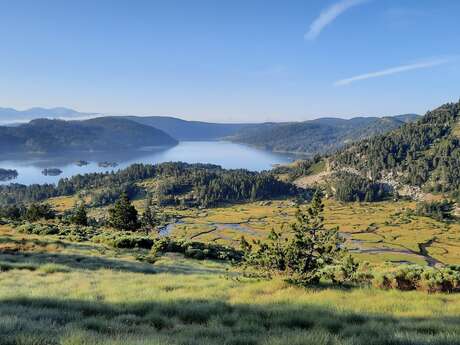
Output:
x=39 y=211
x=12 y=212
x=38 y=229
x=72 y=232
x=133 y=242
x=125 y=240
x=439 y=210
x=414 y=277
x=196 y=250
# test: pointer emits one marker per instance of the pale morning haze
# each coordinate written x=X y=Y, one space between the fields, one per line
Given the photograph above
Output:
x=230 y=61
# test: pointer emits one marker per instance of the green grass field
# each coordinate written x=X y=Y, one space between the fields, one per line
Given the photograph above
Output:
x=53 y=291
x=375 y=232
x=58 y=292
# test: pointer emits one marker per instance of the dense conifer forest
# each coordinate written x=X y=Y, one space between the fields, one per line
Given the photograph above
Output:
x=203 y=184
x=425 y=153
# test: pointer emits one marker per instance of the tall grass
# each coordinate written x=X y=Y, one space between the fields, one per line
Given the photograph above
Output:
x=87 y=294
x=189 y=302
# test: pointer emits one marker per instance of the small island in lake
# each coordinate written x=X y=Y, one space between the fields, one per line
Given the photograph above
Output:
x=81 y=163
x=8 y=174
x=51 y=172
x=107 y=164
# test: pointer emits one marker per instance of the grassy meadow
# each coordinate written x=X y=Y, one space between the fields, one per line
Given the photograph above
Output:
x=54 y=291
x=376 y=232
x=58 y=292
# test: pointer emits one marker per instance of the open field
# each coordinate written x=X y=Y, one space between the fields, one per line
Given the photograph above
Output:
x=57 y=292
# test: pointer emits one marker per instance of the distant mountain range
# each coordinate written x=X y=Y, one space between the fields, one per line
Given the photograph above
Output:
x=13 y=116
x=98 y=134
x=309 y=137
x=191 y=130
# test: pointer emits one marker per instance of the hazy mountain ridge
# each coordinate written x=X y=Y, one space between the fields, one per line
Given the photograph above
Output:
x=98 y=134
x=184 y=130
x=12 y=116
x=310 y=137
x=322 y=135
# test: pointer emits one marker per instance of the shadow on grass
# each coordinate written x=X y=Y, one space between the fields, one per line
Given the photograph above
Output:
x=74 y=261
x=33 y=260
x=192 y=322
x=39 y=243
x=32 y=253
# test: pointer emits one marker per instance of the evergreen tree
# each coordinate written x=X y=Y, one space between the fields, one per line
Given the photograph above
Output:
x=123 y=215
x=305 y=252
x=312 y=246
x=79 y=215
x=39 y=211
x=13 y=212
x=149 y=219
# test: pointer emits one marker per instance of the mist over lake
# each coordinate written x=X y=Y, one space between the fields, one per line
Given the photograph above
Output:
x=228 y=155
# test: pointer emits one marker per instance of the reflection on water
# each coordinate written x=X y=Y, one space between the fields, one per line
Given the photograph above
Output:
x=228 y=155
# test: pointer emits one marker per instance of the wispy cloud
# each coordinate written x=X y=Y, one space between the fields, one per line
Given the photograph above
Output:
x=393 y=70
x=329 y=15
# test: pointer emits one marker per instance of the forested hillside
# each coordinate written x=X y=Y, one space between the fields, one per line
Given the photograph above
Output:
x=317 y=136
x=191 y=130
x=99 y=134
x=425 y=153
x=173 y=183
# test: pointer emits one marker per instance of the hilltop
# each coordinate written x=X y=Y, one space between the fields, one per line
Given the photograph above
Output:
x=425 y=154
x=184 y=130
x=318 y=136
x=419 y=159
x=98 y=134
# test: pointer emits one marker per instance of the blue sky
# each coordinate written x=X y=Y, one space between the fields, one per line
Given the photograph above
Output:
x=231 y=61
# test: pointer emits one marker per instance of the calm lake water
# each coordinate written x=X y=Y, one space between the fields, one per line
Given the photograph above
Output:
x=226 y=154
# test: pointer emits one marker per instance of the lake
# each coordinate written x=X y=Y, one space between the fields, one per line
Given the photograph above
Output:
x=228 y=155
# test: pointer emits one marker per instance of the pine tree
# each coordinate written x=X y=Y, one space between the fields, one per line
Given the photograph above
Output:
x=149 y=219
x=312 y=246
x=79 y=215
x=123 y=215
x=303 y=254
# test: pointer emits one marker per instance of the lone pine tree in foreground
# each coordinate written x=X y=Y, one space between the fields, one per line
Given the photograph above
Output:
x=304 y=252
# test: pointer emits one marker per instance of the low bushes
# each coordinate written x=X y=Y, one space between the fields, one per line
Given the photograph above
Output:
x=69 y=231
x=125 y=240
x=39 y=229
x=439 y=210
x=414 y=277
x=196 y=250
